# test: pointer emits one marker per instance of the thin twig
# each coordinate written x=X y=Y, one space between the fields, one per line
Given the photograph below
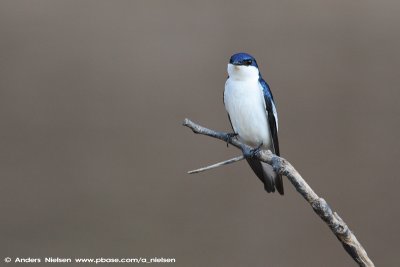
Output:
x=216 y=165
x=320 y=206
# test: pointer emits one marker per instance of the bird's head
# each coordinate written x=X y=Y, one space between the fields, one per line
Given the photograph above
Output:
x=243 y=66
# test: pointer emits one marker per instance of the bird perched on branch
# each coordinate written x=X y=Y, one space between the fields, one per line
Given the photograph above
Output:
x=252 y=114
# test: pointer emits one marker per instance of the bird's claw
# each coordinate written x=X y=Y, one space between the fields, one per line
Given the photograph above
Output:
x=252 y=153
x=230 y=136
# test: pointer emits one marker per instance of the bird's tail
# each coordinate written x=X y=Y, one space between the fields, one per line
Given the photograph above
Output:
x=266 y=174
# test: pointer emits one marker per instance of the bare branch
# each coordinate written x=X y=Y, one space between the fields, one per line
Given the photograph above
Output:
x=319 y=205
x=219 y=164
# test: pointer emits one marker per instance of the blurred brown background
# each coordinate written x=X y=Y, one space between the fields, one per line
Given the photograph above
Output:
x=93 y=157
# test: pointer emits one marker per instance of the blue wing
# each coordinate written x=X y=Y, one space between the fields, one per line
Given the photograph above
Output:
x=272 y=115
x=273 y=126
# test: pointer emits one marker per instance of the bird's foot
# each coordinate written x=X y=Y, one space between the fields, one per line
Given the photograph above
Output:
x=252 y=153
x=230 y=137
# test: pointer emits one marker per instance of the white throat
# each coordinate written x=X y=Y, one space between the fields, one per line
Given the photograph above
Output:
x=242 y=73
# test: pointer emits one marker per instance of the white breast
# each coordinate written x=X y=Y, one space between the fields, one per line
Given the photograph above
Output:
x=244 y=102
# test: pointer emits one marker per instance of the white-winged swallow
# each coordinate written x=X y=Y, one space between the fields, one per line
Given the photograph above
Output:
x=252 y=114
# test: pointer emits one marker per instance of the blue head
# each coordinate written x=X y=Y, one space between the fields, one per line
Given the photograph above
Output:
x=243 y=66
x=243 y=59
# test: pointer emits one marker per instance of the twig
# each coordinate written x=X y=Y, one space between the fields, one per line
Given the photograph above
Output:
x=320 y=206
x=216 y=165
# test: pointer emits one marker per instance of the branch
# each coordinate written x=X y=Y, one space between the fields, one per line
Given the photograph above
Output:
x=320 y=206
x=219 y=164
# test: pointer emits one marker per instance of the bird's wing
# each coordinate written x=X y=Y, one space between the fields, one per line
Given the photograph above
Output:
x=273 y=126
x=272 y=115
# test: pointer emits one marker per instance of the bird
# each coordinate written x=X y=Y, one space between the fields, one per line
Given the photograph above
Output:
x=252 y=114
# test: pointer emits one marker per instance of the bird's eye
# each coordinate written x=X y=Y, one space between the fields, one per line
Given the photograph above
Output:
x=247 y=62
